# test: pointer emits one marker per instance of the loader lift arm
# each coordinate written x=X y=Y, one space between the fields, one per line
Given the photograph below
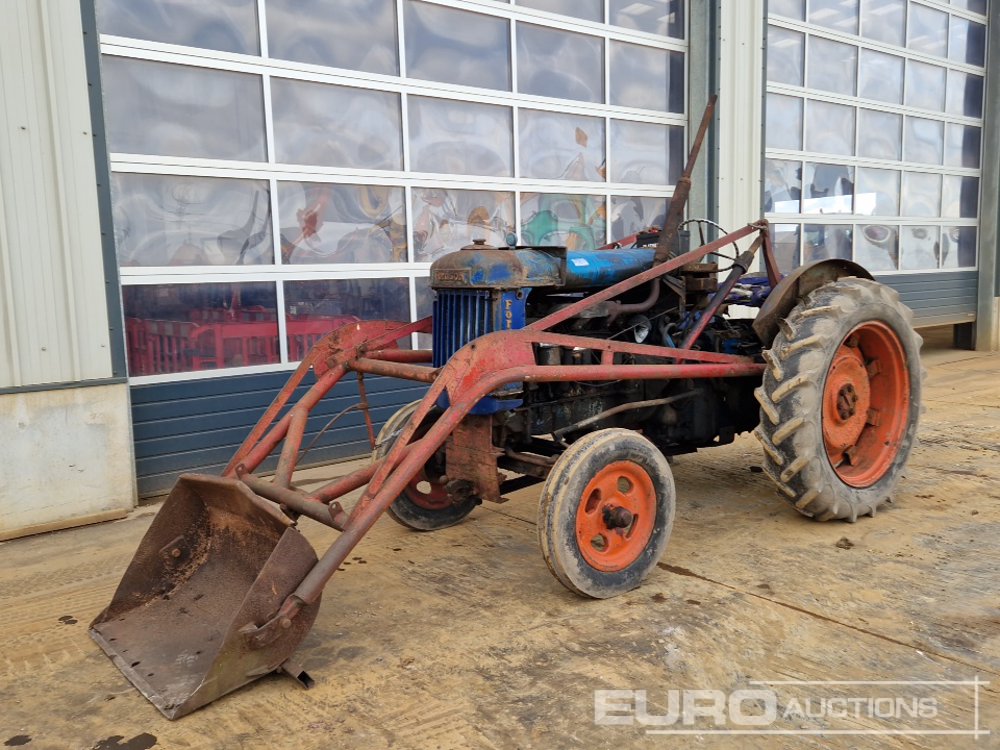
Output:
x=474 y=372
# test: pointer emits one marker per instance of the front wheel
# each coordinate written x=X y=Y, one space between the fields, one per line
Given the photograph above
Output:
x=606 y=512
x=840 y=400
x=424 y=504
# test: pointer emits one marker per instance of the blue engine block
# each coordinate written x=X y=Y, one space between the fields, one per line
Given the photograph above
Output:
x=482 y=289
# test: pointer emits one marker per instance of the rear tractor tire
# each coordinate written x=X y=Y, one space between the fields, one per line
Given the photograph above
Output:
x=424 y=505
x=605 y=513
x=840 y=400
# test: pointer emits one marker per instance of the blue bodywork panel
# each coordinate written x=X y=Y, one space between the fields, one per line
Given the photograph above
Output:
x=601 y=268
x=518 y=268
x=483 y=289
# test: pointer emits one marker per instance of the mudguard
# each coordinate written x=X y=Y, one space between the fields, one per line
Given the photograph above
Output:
x=796 y=285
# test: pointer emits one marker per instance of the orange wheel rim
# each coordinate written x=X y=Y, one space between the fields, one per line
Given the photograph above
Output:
x=427 y=494
x=421 y=491
x=866 y=404
x=616 y=516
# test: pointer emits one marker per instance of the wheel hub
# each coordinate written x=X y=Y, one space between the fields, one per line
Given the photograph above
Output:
x=847 y=402
x=865 y=404
x=615 y=519
x=847 y=398
x=427 y=493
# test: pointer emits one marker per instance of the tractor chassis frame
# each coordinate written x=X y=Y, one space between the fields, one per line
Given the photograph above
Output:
x=480 y=368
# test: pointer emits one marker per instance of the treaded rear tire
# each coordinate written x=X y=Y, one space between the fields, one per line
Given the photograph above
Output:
x=791 y=397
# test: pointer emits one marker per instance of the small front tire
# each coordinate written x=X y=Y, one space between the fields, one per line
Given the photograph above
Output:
x=424 y=505
x=606 y=512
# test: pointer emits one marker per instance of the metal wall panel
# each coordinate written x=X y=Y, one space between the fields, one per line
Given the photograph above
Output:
x=938 y=298
x=53 y=315
x=740 y=111
x=988 y=314
x=197 y=425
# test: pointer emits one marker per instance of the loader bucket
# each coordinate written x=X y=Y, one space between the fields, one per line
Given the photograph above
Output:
x=216 y=560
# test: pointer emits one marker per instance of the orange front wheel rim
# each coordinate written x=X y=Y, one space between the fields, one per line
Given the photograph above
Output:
x=616 y=516
x=866 y=404
x=427 y=494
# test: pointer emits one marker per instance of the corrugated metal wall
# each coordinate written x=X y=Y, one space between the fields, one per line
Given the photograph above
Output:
x=938 y=298
x=53 y=304
x=197 y=425
x=65 y=442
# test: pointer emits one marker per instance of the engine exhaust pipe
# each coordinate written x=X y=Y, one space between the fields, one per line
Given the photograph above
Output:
x=675 y=211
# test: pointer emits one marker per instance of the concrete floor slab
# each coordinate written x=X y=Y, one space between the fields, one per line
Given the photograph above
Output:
x=461 y=638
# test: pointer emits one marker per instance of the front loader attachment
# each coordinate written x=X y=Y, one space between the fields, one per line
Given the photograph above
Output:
x=224 y=587
x=216 y=560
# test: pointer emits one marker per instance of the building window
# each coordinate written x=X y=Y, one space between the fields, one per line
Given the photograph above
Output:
x=874 y=132
x=282 y=167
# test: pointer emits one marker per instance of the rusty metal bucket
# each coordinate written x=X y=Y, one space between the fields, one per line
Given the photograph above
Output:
x=216 y=562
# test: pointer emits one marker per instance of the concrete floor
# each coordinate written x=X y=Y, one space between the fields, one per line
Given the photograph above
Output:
x=461 y=638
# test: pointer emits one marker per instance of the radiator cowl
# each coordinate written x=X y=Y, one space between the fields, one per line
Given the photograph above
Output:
x=462 y=315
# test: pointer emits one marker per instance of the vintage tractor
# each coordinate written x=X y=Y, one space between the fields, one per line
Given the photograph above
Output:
x=582 y=371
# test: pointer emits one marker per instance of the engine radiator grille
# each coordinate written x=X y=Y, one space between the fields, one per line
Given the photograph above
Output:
x=460 y=315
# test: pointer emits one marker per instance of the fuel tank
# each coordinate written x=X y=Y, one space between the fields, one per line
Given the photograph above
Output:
x=481 y=266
